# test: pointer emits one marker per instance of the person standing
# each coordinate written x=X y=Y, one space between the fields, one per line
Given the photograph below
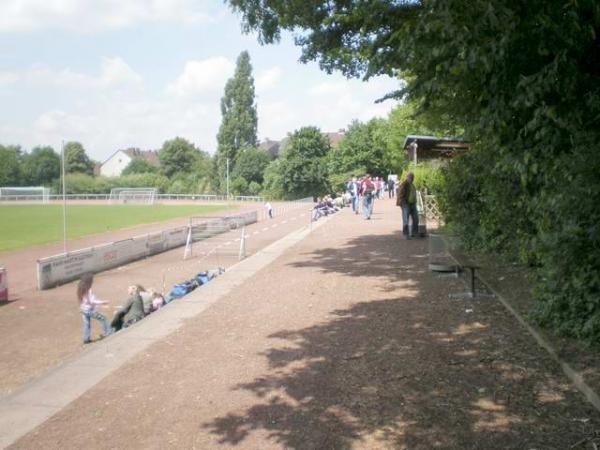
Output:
x=87 y=307
x=407 y=200
x=354 y=188
x=367 y=190
x=269 y=209
x=391 y=188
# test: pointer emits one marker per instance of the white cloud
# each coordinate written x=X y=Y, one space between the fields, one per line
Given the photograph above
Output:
x=114 y=72
x=92 y=15
x=268 y=79
x=330 y=88
x=8 y=77
x=200 y=77
x=116 y=113
x=329 y=105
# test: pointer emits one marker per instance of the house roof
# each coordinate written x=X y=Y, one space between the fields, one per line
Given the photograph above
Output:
x=437 y=144
x=151 y=156
x=272 y=147
x=275 y=148
x=335 y=137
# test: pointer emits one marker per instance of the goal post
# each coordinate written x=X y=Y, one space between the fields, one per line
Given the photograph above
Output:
x=145 y=196
x=211 y=235
x=25 y=193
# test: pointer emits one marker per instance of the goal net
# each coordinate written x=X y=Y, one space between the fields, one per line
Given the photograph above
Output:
x=220 y=236
x=25 y=193
x=145 y=196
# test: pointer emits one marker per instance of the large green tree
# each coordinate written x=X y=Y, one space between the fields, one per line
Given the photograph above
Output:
x=178 y=155
x=239 y=118
x=139 y=165
x=251 y=164
x=522 y=78
x=77 y=160
x=363 y=146
x=41 y=166
x=10 y=166
x=303 y=166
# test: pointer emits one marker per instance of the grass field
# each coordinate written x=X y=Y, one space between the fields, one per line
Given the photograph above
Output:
x=27 y=225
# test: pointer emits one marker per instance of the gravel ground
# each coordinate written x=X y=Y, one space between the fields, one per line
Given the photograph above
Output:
x=40 y=329
x=346 y=341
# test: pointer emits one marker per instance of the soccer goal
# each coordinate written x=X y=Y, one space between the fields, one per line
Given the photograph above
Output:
x=25 y=193
x=222 y=237
x=145 y=196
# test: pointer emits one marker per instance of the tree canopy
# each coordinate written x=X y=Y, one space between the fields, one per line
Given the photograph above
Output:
x=178 y=155
x=239 y=119
x=10 y=166
x=303 y=168
x=41 y=166
x=251 y=164
x=364 y=146
x=139 y=165
x=77 y=160
x=522 y=79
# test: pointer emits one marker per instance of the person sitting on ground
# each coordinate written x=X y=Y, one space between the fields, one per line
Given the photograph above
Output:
x=339 y=201
x=131 y=312
x=146 y=295
x=319 y=210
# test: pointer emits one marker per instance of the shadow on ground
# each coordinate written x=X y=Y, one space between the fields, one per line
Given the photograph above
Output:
x=407 y=371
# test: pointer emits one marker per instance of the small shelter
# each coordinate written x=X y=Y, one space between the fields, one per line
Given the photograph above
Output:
x=432 y=147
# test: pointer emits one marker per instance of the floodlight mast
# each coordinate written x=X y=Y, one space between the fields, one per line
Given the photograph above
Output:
x=227 y=178
x=64 y=184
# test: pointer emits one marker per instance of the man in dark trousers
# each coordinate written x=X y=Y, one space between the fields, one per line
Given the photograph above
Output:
x=407 y=199
x=391 y=187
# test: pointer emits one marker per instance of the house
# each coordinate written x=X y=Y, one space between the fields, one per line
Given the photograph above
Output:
x=118 y=161
x=335 y=137
x=432 y=147
x=271 y=147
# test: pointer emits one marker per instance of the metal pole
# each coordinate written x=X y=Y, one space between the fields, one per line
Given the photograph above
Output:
x=64 y=184
x=414 y=147
x=227 y=178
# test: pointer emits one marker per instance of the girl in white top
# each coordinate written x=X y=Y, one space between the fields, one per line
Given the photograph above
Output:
x=87 y=307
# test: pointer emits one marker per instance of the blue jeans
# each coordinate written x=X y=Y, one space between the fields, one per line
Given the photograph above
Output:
x=408 y=210
x=368 y=205
x=87 y=317
x=355 y=203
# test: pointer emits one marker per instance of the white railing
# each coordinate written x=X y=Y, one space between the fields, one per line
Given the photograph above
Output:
x=188 y=197
x=432 y=209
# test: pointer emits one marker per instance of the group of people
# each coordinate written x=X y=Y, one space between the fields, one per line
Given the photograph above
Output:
x=140 y=303
x=326 y=206
x=366 y=190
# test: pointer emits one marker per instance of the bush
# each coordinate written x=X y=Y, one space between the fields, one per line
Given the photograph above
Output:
x=428 y=175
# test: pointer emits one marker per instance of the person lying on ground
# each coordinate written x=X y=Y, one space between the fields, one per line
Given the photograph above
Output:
x=158 y=301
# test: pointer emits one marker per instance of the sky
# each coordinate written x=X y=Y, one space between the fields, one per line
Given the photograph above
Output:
x=117 y=74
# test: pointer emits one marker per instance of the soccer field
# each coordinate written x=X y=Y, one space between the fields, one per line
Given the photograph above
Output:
x=27 y=225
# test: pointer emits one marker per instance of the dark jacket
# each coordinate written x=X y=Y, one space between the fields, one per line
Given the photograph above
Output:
x=134 y=309
x=403 y=193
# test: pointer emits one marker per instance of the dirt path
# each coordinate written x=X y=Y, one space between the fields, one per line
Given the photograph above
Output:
x=43 y=328
x=346 y=341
